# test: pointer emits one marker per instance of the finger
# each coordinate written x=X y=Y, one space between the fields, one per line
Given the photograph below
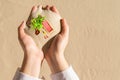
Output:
x=64 y=27
x=21 y=31
x=46 y=7
x=33 y=10
x=54 y=9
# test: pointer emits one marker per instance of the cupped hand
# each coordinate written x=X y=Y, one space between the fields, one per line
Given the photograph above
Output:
x=60 y=41
x=28 y=45
x=33 y=56
x=55 y=53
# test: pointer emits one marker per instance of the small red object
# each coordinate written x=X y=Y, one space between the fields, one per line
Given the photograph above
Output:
x=37 y=32
x=47 y=26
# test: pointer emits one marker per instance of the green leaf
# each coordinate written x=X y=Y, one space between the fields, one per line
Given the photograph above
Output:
x=36 y=23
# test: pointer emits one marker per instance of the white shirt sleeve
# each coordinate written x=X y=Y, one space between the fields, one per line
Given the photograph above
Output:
x=22 y=76
x=68 y=74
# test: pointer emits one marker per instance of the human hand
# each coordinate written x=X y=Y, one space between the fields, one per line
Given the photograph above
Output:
x=28 y=45
x=33 y=56
x=55 y=53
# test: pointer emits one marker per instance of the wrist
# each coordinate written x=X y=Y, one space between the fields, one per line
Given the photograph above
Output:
x=32 y=59
x=57 y=63
x=34 y=55
x=31 y=65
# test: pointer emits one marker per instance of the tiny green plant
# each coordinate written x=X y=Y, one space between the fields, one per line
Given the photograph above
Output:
x=36 y=23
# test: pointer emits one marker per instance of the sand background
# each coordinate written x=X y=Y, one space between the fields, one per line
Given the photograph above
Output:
x=94 y=44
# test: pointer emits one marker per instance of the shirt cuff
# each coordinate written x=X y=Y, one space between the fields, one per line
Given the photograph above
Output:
x=22 y=76
x=68 y=74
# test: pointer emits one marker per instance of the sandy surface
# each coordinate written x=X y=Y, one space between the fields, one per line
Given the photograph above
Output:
x=94 y=45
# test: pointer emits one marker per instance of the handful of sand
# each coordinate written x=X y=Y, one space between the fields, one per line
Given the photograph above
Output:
x=44 y=25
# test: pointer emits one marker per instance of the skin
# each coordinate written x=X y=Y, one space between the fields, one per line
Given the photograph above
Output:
x=54 y=55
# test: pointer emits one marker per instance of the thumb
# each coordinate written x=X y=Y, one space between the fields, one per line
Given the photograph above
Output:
x=21 y=28
x=64 y=27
